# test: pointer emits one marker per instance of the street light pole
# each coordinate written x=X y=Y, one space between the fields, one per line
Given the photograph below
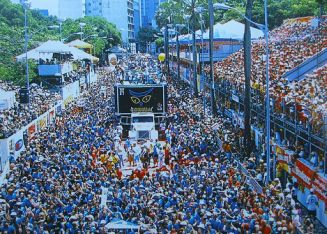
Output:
x=178 y=55
x=25 y=5
x=166 y=49
x=211 y=23
x=178 y=26
x=60 y=25
x=81 y=26
x=195 y=78
x=202 y=65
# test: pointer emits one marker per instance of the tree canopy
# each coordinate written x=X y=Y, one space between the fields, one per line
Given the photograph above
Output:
x=278 y=10
x=12 y=36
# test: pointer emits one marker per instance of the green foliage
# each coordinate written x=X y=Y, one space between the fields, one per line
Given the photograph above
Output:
x=159 y=42
x=108 y=34
x=146 y=35
x=278 y=11
x=12 y=37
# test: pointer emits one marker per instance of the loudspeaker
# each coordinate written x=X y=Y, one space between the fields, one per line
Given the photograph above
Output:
x=23 y=96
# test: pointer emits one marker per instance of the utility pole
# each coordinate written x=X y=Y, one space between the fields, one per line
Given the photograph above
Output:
x=26 y=5
x=195 y=78
x=178 y=55
x=211 y=23
x=166 y=49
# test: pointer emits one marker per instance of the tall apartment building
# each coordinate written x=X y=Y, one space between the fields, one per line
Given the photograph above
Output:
x=118 y=12
x=148 y=10
x=71 y=9
x=137 y=16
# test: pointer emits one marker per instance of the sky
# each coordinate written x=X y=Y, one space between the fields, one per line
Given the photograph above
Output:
x=51 y=5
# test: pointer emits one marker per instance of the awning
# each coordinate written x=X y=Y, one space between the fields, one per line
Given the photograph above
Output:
x=54 y=47
x=80 y=44
x=231 y=30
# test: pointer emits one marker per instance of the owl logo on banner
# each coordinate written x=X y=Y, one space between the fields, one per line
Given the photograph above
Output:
x=140 y=98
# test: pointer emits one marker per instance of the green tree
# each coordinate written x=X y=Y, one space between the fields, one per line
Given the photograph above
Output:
x=12 y=37
x=146 y=35
x=107 y=33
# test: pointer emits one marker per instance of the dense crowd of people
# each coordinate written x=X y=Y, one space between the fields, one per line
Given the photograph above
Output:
x=290 y=44
x=20 y=115
x=191 y=183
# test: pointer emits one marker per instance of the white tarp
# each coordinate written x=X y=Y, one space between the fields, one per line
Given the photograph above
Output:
x=46 y=50
x=54 y=47
x=80 y=54
x=230 y=30
x=7 y=99
x=122 y=225
x=33 y=54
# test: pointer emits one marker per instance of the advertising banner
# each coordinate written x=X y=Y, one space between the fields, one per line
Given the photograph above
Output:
x=42 y=123
x=319 y=185
x=141 y=99
x=51 y=117
x=303 y=173
x=31 y=131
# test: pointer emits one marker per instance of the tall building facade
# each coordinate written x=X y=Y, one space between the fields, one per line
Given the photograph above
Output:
x=118 y=12
x=149 y=9
x=137 y=16
x=71 y=9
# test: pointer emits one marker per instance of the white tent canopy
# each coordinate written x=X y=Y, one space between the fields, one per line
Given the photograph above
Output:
x=7 y=99
x=54 y=47
x=230 y=30
x=33 y=54
x=122 y=225
x=47 y=49
x=80 y=54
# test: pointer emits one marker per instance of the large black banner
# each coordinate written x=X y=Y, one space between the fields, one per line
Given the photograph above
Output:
x=141 y=98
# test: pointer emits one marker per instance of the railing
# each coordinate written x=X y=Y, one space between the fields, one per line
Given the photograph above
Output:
x=307 y=66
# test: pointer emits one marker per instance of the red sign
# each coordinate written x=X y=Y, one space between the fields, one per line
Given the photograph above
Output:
x=303 y=173
x=320 y=187
x=31 y=131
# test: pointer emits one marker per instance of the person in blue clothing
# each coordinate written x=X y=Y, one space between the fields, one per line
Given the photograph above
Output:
x=66 y=186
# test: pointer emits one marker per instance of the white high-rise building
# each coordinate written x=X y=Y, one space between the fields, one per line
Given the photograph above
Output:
x=118 y=12
x=71 y=9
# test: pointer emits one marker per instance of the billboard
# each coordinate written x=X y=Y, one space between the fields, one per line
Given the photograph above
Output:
x=141 y=98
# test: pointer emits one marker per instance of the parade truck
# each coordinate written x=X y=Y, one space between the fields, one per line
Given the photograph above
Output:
x=141 y=108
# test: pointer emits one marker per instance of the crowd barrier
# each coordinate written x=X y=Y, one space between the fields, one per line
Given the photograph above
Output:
x=306 y=176
x=70 y=92
x=13 y=145
x=299 y=72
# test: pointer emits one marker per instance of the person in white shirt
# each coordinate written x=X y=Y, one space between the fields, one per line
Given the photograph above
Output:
x=312 y=202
